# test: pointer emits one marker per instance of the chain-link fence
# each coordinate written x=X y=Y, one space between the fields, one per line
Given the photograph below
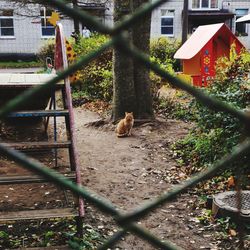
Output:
x=126 y=221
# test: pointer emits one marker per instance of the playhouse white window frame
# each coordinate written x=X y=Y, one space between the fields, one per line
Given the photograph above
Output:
x=7 y=16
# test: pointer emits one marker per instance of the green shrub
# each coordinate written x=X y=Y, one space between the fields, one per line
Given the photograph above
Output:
x=162 y=52
x=96 y=78
x=175 y=107
x=216 y=133
x=163 y=49
x=19 y=64
x=47 y=50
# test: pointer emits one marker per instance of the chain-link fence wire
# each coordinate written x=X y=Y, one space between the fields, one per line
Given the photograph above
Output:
x=125 y=220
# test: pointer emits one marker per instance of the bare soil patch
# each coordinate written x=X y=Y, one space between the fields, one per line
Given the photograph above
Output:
x=131 y=171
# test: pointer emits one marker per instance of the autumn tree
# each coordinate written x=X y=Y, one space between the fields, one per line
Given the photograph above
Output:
x=131 y=79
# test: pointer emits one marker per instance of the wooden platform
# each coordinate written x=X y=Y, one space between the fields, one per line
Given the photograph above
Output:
x=15 y=80
x=12 y=85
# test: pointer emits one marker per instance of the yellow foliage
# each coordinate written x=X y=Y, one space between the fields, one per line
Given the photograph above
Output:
x=186 y=78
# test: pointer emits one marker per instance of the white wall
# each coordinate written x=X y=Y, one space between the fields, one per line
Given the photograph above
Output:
x=177 y=6
x=28 y=37
x=232 y=5
x=27 y=30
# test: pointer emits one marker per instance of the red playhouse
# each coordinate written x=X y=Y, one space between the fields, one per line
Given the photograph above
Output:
x=200 y=52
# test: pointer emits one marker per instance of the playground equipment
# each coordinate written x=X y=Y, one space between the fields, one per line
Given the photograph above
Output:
x=44 y=106
x=200 y=52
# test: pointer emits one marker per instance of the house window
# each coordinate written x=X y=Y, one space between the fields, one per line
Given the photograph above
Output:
x=167 y=22
x=6 y=23
x=241 y=28
x=204 y=4
x=48 y=30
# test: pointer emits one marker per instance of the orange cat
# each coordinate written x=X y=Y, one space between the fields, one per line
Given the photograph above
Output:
x=125 y=125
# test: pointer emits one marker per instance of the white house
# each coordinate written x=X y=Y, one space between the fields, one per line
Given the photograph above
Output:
x=24 y=30
x=167 y=19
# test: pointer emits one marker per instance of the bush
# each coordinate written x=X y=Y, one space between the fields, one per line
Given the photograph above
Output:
x=47 y=50
x=216 y=133
x=96 y=78
x=175 y=104
x=163 y=50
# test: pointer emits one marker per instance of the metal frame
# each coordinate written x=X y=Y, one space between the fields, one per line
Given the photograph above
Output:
x=125 y=220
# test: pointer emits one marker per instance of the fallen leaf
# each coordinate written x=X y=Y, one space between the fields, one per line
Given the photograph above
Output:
x=232 y=232
x=230 y=182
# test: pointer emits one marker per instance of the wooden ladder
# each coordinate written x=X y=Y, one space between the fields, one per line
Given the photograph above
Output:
x=44 y=107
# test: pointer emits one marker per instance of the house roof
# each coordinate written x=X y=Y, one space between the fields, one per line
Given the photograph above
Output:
x=197 y=41
x=222 y=15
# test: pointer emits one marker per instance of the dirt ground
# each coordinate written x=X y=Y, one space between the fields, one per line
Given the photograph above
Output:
x=129 y=172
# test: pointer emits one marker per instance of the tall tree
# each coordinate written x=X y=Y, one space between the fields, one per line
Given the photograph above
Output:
x=76 y=22
x=124 y=98
x=141 y=39
x=184 y=22
x=131 y=79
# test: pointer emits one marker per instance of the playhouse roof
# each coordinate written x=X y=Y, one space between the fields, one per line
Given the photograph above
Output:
x=197 y=40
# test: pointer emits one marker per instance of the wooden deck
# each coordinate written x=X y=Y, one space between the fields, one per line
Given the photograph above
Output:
x=13 y=84
x=8 y=80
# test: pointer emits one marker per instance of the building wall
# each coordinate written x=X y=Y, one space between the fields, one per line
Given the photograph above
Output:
x=28 y=32
x=177 y=6
x=109 y=13
x=232 y=5
x=28 y=37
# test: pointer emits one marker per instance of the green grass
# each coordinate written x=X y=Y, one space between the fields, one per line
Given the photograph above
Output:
x=21 y=64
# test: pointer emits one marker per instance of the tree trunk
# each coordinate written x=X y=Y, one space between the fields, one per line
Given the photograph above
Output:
x=184 y=22
x=131 y=80
x=124 y=99
x=141 y=39
x=76 y=23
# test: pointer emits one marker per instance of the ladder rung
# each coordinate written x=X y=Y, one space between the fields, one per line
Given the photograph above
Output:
x=37 y=214
x=33 y=146
x=39 y=113
x=24 y=179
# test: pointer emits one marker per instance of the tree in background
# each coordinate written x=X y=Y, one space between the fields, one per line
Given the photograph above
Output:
x=131 y=83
